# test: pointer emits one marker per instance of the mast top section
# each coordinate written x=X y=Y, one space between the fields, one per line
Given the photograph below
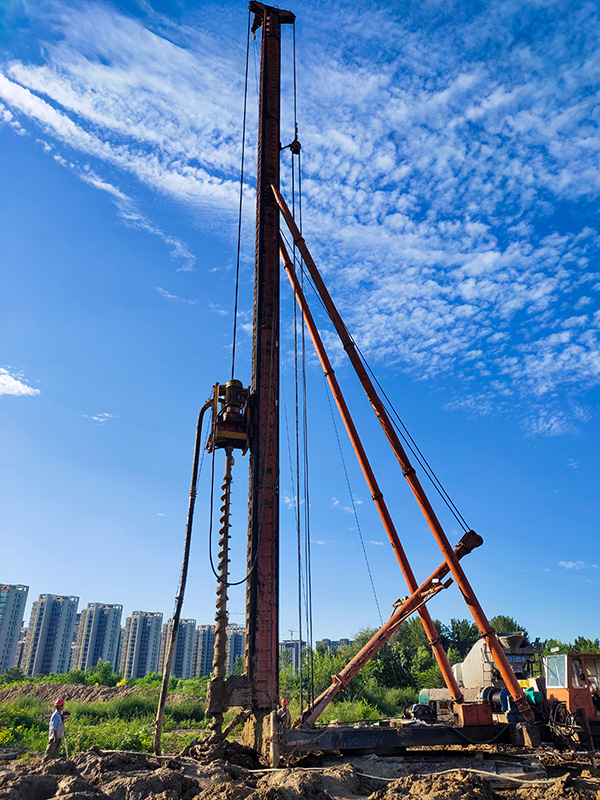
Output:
x=261 y=10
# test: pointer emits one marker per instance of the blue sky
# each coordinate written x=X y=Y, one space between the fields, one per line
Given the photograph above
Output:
x=451 y=178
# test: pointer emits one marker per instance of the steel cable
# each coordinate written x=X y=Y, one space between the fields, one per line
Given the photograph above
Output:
x=398 y=423
x=239 y=233
x=360 y=536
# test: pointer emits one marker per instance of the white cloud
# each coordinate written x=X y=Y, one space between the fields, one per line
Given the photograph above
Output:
x=288 y=500
x=218 y=310
x=132 y=217
x=379 y=544
x=435 y=170
x=14 y=383
x=577 y=565
x=100 y=418
x=174 y=297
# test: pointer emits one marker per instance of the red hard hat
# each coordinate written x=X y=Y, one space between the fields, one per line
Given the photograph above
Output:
x=283 y=701
x=59 y=702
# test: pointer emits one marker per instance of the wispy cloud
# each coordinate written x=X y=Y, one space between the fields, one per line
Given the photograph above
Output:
x=577 y=565
x=133 y=217
x=101 y=418
x=15 y=383
x=174 y=298
x=335 y=503
x=451 y=173
x=289 y=500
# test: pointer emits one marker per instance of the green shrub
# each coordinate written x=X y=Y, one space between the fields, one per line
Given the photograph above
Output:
x=186 y=709
x=74 y=676
x=350 y=711
x=195 y=686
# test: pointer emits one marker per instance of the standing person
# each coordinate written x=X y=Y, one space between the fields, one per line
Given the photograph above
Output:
x=56 y=731
x=283 y=715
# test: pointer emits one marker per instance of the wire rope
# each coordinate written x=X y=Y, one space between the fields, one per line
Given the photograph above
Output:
x=240 y=209
x=414 y=448
x=289 y=444
x=308 y=560
x=298 y=522
x=259 y=511
x=396 y=420
x=362 y=541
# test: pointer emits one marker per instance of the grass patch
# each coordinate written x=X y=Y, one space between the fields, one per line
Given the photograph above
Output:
x=121 y=724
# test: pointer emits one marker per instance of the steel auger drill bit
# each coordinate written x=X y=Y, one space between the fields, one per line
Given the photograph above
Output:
x=216 y=699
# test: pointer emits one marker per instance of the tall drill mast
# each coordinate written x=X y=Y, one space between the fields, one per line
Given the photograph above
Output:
x=262 y=657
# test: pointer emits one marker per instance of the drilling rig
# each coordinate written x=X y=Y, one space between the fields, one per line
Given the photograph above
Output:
x=246 y=420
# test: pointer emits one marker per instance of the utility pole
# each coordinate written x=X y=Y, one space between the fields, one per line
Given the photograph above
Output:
x=262 y=596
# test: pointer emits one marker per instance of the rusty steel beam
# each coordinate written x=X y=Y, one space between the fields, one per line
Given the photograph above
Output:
x=421 y=595
x=408 y=470
x=376 y=493
x=262 y=620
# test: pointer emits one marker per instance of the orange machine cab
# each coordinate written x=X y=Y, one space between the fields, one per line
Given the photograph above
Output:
x=574 y=678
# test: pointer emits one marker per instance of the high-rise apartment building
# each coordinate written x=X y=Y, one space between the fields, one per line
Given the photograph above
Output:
x=120 y=648
x=204 y=650
x=97 y=636
x=20 y=654
x=183 y=660
x=236 y=638
x=12 y=607
x=50 y=635
x=141 y=644
x=294 y=647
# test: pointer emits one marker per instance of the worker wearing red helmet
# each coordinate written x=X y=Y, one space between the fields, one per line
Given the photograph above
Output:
x=56 y=730
x=283 y=715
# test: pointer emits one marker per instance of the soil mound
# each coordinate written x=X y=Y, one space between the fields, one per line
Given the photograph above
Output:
x=69 y=691
x=456 y=786
x=221 y=772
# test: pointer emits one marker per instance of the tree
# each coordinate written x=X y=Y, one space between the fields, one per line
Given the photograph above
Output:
x=75 y=676
x=504 y=624
x=322 y=647
x=150 y=679
x=461 y=635
x=391 y=668
x=285 y=658
x=583 y=645
x=13 y=675
x=101 y=674
x=557 y=646
x=289 y=682
x=238 y=666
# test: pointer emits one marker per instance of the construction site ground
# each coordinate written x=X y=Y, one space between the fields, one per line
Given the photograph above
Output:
x=232 y=772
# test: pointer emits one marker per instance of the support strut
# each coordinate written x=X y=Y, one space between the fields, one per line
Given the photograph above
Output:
x=376 y=494
x=416 y=602
x=408 y=471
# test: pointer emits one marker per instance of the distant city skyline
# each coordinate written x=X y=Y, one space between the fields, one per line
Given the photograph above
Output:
x=58 y=638
x=28 y=605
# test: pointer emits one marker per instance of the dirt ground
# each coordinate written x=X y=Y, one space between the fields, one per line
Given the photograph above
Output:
x=68 y=691
x=232 y=772
x=72 y=691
